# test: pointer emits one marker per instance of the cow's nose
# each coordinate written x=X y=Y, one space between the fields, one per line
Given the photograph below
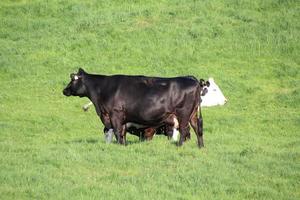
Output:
x=66 y=93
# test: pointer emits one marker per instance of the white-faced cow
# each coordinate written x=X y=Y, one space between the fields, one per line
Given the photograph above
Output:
x=213 y=96
x=121 y=100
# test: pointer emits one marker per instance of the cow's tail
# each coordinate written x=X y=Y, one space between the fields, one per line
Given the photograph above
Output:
x=199 y=124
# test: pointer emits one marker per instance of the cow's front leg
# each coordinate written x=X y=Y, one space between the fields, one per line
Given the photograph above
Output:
x=118 y=130
x=120 y=133
x=108 y=130
x=108 y=134
x=119 y=127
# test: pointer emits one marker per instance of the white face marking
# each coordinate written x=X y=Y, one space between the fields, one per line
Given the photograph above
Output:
x=75 y=77
x=175 y=134
x=205 y=87
x=214 y=95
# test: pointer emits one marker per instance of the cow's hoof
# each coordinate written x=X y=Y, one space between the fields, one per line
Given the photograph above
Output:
x=179 y=144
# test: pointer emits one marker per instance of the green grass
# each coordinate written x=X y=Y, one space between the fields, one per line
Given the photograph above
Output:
x=51 y=149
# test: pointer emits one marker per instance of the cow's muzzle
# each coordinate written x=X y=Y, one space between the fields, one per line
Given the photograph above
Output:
x=67 y=92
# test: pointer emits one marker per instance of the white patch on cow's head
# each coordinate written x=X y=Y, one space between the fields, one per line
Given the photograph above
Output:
x=76 y=77
x=214 y=95
x=204 y=90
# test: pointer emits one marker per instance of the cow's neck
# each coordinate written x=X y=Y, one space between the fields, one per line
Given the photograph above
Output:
x=94 y=88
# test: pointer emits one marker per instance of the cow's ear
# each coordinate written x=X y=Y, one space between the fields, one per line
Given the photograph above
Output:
x=207 y=83
x=81 y=71
x=201 y=82
x=72 y=76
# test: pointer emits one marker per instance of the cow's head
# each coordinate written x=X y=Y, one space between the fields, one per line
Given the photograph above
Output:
x=213 y=96
x=76 y=86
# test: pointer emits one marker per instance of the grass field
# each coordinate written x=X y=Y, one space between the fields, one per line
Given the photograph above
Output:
x=51 y=149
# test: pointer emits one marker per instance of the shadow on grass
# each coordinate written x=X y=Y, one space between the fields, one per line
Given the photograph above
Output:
x=114 y=142
x=94 y=141
x=88 y=140
x=132 y=142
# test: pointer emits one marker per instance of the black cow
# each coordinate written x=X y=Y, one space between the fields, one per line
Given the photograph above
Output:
x=146 y=101
x=147 y=133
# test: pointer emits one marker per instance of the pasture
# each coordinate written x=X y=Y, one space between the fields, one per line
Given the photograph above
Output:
x=51 y=149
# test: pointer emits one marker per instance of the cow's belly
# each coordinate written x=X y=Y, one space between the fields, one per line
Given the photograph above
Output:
x=171 y=120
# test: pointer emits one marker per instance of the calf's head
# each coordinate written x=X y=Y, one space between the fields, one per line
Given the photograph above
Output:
x=76 y=86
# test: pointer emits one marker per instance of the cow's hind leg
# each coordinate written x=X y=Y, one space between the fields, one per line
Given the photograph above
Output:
x=197 y=124
x=184 y=131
